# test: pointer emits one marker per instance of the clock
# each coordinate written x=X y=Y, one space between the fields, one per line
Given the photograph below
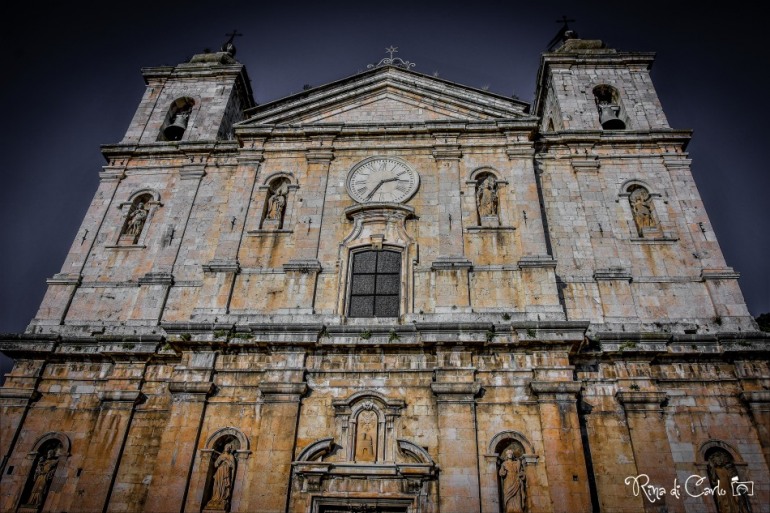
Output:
x=382 y=180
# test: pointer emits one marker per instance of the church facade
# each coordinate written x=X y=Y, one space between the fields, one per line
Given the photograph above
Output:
x=392 y=293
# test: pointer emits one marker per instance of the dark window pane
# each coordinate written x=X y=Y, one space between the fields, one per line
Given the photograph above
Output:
x=364 y=262
x=386 y=306
x=388 y=283
x=361 y=306
x=362 y=284
x=389 y=262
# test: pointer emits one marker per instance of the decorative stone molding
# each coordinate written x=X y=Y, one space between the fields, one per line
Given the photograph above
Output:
x=589 y=165
x=191 y=390
x=121 y=396
x=725 y=273
x=302 y=266
x=449 y=263
x=157 y=278
x=758 y=400
x=273 y=392
x=642 y=401
x=455 y=392
x=613 y=274
x=65 y=279
x=558 y=391
x=535 y=261
x=222 y=266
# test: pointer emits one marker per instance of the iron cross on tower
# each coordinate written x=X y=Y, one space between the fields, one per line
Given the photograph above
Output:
x=229 y=47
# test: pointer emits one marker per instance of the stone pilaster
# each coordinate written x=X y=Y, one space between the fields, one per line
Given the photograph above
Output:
x=178 y=444
x=758 y=402
x=564 y=457
x=457 y=446
x=105 y=448
x=275 y=447
x=652 y=450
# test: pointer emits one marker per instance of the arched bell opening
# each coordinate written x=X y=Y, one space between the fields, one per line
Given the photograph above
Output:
x=177 y=118
x=607 y=101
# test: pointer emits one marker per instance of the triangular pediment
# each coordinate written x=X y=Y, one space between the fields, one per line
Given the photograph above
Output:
x=386 y=96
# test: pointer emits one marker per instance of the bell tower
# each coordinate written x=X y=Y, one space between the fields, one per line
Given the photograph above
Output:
x=583 y=85
x=199 y=100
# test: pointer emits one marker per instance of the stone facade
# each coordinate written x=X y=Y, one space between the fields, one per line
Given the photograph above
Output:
x=562 y=325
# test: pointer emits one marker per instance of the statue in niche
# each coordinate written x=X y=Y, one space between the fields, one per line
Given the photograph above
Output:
x=222 y=486
x=366 y=437
x=641 y=206
x=486 y=197
x=276 y=204
x=513 y=481
x=135 y=220
x=722 y=472
x=44 y=472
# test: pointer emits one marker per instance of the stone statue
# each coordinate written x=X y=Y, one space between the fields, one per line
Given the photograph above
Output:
x=641 y=206
x=514 y=482
x=42 y=478
x=366 y=437
x=486 y=197
x=222 y=486
x=136 y=219
x=276 y=204
x=721 y=471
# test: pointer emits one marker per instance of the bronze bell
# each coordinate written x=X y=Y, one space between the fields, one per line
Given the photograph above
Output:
x=609 y=117
x=175 y=130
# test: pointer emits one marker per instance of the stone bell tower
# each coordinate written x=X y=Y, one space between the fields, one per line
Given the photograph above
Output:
x=199 y=100
x=604 y=135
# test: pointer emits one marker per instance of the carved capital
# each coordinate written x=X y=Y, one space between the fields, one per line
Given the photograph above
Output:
x=642 y=401
x=282 y=392
x=192 y=390
x=456 y=392
x=559 y=391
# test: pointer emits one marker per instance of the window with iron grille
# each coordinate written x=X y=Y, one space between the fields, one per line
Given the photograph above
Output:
x=375 y=284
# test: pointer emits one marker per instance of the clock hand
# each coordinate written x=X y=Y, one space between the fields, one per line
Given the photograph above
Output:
x=380 y=184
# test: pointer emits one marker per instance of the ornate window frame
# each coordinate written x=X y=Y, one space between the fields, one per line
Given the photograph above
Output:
x=377 y=226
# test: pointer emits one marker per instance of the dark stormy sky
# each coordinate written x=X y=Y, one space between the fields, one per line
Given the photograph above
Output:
x=71 y=82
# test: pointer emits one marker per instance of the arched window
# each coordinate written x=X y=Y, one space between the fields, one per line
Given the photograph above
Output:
x=643 y=210
x=136 y=219
x=375 y=284
x=177 y=117
x=608 y=103
x=41 y=474
x=276 y=200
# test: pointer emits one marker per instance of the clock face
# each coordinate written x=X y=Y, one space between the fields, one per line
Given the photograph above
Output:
x=382 y=180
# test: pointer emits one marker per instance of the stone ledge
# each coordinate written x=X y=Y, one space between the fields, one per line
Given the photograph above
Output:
x=613 y=274
x=190 y=387
x=555 y=387
x=451 y=264
x=641 y=401
x=535 y=261
x=221 y=266
x=726 y=273
x=302 y=266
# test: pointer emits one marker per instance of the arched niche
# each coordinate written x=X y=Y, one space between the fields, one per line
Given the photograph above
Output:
x=726 y=471
x=137 y=213
x=222 y=468
x=366 y=420
x=641 y=203
x=46 y=461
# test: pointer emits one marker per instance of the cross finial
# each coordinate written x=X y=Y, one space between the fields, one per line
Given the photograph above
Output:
x=229 y=47
x=232 y=35
x=564 y=20
x=391 y=50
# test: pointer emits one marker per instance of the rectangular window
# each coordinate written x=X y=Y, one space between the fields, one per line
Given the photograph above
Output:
x=375 y=284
